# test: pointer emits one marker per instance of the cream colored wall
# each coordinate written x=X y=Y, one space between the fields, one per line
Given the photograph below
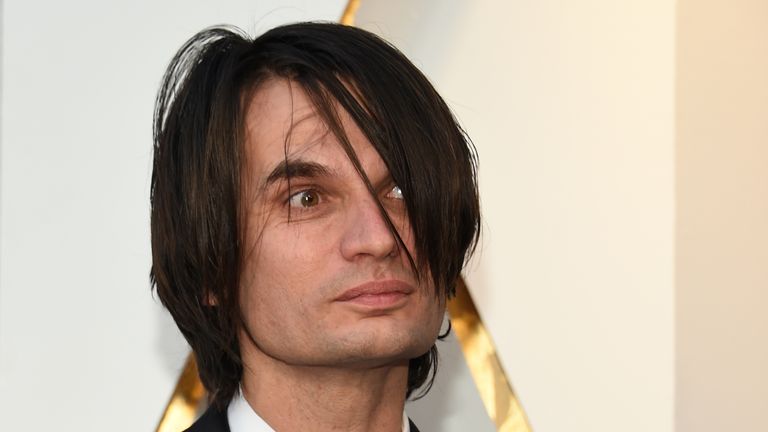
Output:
x=722 y=208
x=571 y=106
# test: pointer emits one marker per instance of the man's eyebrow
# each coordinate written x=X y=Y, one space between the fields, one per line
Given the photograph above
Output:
x=296 y=168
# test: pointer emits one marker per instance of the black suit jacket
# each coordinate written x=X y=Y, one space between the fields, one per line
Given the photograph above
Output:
x=214 y=420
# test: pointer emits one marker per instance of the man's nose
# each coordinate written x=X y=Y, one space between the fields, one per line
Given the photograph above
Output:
x=367 y=233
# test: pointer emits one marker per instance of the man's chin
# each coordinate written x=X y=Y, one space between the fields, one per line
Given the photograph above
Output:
x=381 y=351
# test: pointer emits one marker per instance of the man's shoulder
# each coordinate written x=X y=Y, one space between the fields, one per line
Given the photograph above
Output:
x=212 y=420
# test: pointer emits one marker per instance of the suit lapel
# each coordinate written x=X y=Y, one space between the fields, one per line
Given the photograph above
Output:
x=212 y=420
x=413 y=426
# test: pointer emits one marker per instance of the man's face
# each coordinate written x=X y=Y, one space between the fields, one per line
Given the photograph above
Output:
x=328 y=286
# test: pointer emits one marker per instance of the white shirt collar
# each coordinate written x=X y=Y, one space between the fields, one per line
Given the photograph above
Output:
x=242 y=418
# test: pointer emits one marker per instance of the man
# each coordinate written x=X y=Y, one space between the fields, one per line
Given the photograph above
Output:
x=313 y=204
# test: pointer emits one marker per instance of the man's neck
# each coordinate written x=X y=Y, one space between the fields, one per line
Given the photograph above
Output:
x=293 y=398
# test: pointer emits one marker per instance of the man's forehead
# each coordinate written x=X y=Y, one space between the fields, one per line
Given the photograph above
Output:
x=282 y=123
x=280 y=120
x=277 y=107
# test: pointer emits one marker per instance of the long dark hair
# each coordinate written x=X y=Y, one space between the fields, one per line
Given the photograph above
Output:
x=197 y=178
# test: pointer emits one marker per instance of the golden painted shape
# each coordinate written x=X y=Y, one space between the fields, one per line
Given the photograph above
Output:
x=484 y=365
x=348 y=17
x=480 y=354
x=181 y=410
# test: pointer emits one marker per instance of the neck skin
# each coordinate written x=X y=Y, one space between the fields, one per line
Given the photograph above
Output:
x=310 y=398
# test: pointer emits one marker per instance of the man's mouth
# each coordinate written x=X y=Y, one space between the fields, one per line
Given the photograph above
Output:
x=382 y=294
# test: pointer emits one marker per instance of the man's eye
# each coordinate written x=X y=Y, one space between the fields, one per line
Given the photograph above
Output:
x=304 y=199
x=395 y=193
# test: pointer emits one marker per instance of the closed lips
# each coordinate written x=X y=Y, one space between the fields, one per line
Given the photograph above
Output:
x=376 y=288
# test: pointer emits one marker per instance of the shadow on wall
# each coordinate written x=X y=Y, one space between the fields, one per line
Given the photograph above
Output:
x=453 y=404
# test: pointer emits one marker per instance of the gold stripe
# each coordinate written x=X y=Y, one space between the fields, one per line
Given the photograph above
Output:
x=500 y=401
x=348 y=17
x=181 y=410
